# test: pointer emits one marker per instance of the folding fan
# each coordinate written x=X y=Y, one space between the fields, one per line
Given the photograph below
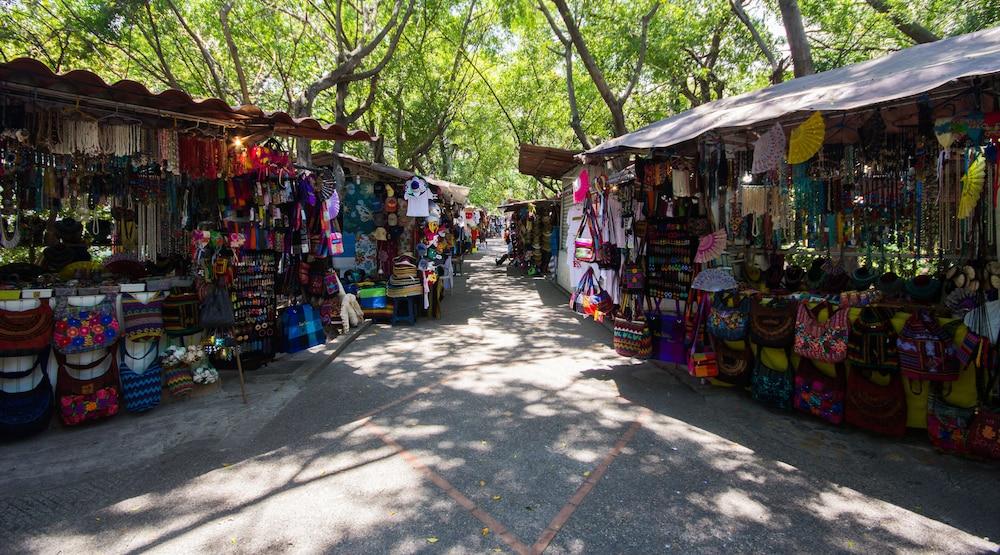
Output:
x=768 y=150
x=972 y=187
x=806 y=139
x=711 y=246
x=714 y=280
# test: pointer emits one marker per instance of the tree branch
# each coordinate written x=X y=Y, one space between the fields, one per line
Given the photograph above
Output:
x=209 y=59
x=234 y=52
x=916 y=32
x=643 y=45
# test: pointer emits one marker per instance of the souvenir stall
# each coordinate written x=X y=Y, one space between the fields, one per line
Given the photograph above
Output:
x=392 y=219
x=533 y=228
x=829 y=244
x=148 y=240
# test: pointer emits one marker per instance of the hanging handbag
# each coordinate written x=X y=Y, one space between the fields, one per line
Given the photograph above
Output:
x=26 y=332
x=217 y=309
x=729 y=323
x=826 y=342
x=925 y=350
x=948 y=426
x=774 y=388
x=701 y=361
x=632 y=336
x=302 y=328
x=143 y=320
x=872 y=341
x=633 y=278
x=773 y=325
x=818 y=394
x=874 y=407
x=87 y=400
x=984 y=431
x=26 y=413
x=181 y=312
x=734 y=364
x=585 y=249
x=81 y=329
x=668 y=334
x=141 y=391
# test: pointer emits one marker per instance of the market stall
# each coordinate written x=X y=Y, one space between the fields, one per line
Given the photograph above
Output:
x=149 y=239
x=393 y=218
x=532 y=228
x=831 y=244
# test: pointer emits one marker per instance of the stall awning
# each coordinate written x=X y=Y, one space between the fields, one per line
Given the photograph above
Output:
x=907 y=73
x=35 y=79
x=543 y=161
x=514 y=205
x=451 y=192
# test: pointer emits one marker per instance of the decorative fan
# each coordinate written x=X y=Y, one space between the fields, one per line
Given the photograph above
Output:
x=714 y=280
x=711 y=246
x=768 y=150
x=806 y=139
x=972 y=188
x=581 y=187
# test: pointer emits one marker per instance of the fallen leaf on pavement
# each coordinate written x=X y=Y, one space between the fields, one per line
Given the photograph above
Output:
x=586 y=474
x=432 y=539
x=497 y=498
x=482 y=483
x=486 y=531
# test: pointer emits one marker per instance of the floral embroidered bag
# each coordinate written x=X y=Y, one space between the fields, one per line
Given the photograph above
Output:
x=729 y=323
x=80 y=329
x=825 y=342
x=948 y=425
x=773 y=325
x=818 y=394
x=772 y=387
x=87 y=400
x=925 y=350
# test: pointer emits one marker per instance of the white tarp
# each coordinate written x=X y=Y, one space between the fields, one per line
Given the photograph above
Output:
x=902 y=74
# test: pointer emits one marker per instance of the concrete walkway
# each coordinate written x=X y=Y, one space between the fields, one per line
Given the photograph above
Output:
x=507 y=426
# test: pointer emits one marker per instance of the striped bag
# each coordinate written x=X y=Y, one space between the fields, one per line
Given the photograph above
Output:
x=633 y=337
x=142 y=390
x=143 y=320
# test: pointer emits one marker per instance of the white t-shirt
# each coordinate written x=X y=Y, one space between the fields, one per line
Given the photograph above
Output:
x=418 y=196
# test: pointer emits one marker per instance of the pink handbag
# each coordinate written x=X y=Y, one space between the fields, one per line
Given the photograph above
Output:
x=825 y=342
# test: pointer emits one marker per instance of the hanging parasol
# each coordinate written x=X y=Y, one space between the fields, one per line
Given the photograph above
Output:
x=806 y=139
x=711 y=246
x=972 y=188
x=714 y=280
x=768 y=150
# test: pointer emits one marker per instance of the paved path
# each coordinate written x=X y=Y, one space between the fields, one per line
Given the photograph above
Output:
x=508 y=426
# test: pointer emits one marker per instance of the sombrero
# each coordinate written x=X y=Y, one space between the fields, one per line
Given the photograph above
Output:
x=814 y=277
x=863 y=278
x=794 y=276
x=889 y=284
x=923 y=288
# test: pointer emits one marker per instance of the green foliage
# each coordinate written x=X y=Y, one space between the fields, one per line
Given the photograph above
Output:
x=469 y=79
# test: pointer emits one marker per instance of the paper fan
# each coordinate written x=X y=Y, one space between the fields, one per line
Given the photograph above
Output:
x=711 y=246
x=768 y=150
x=806 y=139
x=972 y=187
x=714 y=280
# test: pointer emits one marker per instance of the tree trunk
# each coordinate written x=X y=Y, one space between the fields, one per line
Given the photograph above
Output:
x=916 y=32
x=798 y=44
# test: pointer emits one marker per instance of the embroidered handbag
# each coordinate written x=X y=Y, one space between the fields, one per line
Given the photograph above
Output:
x=143 y=320
x=818 y=394
x=217 y=309
x=947 y=425
x=874 y=407
x=302 y=328
x=585 y=248
x=26 y=413
x=826 y=342
x=141 y=391
x=729 y=323
x=872 y=341
x=984 y=434
x=773 y=325
x=83 y=329
x=772 y=387
x=331 y=283
x=925 y=350
x=734 y=364
x=88 y=400
x=181 y=312
x=26 y=332
x=633 y=277
x=633 y=338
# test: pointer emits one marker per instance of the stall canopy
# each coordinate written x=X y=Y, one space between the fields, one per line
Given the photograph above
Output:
x=451 y=192
x=543 y=161
x=907 y=73
x=510 y=206
x=35 y=80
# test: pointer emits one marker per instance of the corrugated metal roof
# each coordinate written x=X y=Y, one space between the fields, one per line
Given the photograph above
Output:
x=543 y=161
x=33 y=73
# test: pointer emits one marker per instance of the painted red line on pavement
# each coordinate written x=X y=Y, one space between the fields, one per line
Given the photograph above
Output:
x=493 y=524
x=564 y=514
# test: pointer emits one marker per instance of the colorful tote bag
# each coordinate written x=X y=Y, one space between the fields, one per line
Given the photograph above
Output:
x=143 y=320
x=875 y=407
x=26 y=332
x=818 y=394
x=181 y=312
x=773 y=325
x=729 y=323
x=26 y=413
x=926 y=351
x=825 y=342
x=84 y=329
x=179 y=380
x=302 y=328
x=872 y=341
x=668 y=331
x=81 y=400
x=141 y=391
x=984 y=434
x=772 y=387
x=947 y=425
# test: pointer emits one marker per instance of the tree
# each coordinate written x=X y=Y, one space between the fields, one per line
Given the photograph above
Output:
x=798 y=43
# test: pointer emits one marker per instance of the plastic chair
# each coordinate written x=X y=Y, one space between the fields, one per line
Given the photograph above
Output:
x=407 y=316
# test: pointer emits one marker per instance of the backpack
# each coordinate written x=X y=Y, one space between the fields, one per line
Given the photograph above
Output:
x=872 y=341
x=925 y=350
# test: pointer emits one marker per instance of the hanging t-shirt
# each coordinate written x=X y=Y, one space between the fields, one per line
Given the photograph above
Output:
x=418 y=196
